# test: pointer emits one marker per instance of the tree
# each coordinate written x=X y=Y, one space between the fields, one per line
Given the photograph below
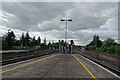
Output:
x=27 y=39
x=34 y=41
x=9 y=39
x=17 y=43
x=96 y=42
x=22 y=40
x=54 y=45
x=109 y=42
x=109 y=46
x=43 y=46
x=45 y=41
x=39 y=41
x=50 y=45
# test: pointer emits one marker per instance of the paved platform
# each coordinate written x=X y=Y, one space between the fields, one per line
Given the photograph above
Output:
x=56 y=66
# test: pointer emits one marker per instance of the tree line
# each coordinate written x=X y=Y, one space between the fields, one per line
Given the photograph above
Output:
x=109 y=45
x=9 y=42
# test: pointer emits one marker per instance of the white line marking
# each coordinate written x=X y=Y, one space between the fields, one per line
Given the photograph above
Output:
x=100 y=66
x=22 y=61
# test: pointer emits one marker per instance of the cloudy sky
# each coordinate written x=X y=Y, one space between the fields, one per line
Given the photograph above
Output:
x=43 y=19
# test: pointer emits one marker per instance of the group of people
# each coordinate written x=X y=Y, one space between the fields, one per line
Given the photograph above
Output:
x=65 y=47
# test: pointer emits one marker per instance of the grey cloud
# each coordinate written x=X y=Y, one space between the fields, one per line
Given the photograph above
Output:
x=44 y=17
x=29 y=14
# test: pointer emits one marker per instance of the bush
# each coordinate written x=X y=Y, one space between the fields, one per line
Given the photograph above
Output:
x=111 y=50
x=103 y=49
x=91 y=48
x=117 y=50
x=98 y=49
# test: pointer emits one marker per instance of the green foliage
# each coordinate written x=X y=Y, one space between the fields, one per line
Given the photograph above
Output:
x=108 y=46
x=9 y=40
x=49 y=44
x=111 y=49
x=96 y=42
x=109 y=42
x=25 y=42
x=39 y=41
x=117 y=49
x=91 y=47
x=103 y=49
x=45 y=41
x=27 y=39
x=55 y=45
x=22 y=40
x=43 y=46
x=17 y=43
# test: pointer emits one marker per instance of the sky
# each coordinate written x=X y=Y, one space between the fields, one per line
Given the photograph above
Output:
x=43 y=19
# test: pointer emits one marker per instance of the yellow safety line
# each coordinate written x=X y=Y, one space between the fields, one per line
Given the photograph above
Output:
x=26 y=64
x=85 y=68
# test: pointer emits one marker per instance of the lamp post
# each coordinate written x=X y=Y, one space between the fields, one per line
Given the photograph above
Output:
x=66 y=20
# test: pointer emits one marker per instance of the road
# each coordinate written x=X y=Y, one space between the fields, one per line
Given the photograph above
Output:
x=57 y=66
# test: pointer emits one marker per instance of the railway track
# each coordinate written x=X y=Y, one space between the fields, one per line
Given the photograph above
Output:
x=105 y=61
x=12 y=58
x=102 y=60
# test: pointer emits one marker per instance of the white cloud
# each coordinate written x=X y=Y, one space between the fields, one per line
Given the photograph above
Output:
x=61 y=0
x=43 y=19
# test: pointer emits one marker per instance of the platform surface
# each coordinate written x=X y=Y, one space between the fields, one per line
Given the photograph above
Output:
x=56 y=66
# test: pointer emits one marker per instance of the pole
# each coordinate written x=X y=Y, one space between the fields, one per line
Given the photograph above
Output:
x=66 y=38
x=66 y=33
